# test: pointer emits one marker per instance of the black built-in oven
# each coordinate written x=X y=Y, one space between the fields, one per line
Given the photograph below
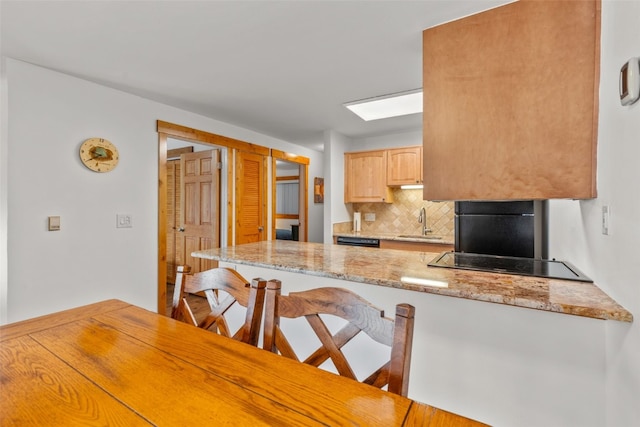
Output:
x=515 y=228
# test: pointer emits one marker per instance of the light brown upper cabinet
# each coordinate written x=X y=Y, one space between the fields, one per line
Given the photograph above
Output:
x=404 y=166
x=511 y=103
x=365 y=177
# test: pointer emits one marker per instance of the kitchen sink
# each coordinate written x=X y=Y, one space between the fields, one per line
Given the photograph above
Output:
x=420 y=236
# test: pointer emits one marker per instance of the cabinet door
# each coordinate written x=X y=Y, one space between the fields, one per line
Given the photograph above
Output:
x=511 y=103
x=404 y=166
x=365 y=178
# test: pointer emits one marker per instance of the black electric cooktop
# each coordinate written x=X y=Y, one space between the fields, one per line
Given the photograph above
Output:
x=509 y=265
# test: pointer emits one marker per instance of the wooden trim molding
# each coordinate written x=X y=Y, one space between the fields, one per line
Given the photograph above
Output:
x=596 y=95
x=304 y=212
x=162 y=223
x=176 y=152
x=231 y=195
x=277 y=154
x=287 y=216
x=190 y=134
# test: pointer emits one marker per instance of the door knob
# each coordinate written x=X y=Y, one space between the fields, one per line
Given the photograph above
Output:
x=181 y=229
x=260 y=228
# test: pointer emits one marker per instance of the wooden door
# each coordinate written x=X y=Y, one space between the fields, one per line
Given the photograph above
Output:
x=250 y=198
x=200 y=208
x=173 y=216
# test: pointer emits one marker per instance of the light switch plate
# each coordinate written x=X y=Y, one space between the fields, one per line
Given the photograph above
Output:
x=606 y=220
x=54 y=223
x=124 y=221
x=370 y=217
x=630 y=81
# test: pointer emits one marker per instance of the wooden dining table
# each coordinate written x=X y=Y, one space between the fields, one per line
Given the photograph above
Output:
x=114 y=364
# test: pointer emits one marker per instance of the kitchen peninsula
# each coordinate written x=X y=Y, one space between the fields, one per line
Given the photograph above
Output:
x=537 y=352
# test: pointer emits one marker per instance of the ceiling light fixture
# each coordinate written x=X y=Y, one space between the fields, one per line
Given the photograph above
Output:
x=385 y=106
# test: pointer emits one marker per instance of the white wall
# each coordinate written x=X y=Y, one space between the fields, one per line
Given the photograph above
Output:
x=4 y=174
x=316 y=210
x=402 y=139
x=49 y=114
x=575 y=226
x=335 y=210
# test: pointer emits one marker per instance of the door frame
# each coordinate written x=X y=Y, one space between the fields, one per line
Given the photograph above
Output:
x=303 y=190
x=170 y=130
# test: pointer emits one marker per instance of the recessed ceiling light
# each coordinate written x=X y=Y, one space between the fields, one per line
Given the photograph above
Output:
x=385 y=106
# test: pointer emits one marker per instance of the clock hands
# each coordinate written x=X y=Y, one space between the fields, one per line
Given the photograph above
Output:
x=100 y=153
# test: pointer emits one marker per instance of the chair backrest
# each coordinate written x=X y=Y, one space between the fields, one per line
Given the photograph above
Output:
x=361 y=316
x=237 y=289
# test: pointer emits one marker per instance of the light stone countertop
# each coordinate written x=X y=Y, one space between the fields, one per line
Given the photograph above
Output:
x=400 y=269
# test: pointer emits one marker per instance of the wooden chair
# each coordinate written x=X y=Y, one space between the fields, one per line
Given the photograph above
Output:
x=238 y=290
x=361 y=316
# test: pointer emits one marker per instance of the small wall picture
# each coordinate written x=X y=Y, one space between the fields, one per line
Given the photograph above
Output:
x=318 y=190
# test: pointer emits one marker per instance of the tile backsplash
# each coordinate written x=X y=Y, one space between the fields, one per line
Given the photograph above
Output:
x=401 y=216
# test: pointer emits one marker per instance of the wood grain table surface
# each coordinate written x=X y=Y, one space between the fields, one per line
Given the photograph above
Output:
x=115 y=364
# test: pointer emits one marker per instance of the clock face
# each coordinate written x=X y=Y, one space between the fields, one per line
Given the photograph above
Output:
x=99 y=154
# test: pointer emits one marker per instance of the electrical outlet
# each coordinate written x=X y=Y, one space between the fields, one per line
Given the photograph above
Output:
x=124 y=221
x=370 y=217
x=606 y=220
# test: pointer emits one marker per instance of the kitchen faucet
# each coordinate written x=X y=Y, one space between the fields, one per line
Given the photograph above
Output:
x=422 y=219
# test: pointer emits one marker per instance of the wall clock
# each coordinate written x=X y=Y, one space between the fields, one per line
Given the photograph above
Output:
x=99 y=154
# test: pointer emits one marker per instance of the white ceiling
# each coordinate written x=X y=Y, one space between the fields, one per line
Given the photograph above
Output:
x=281 y=68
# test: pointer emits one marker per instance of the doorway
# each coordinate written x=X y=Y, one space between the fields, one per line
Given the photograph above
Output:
x=232 y=151
x=290 y=192
x=190 y=202
x=193 y=208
